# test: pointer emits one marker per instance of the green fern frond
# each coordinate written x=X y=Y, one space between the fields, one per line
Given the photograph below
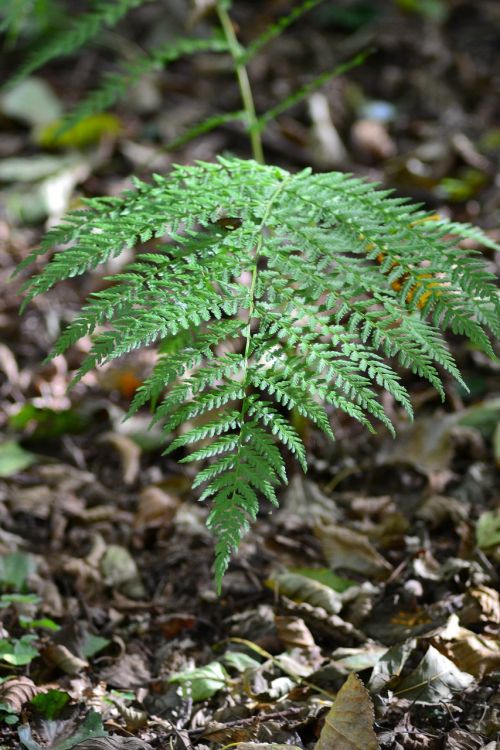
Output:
x=103 y=13
x=276 y=29
x=115 y=85
x=271 y=292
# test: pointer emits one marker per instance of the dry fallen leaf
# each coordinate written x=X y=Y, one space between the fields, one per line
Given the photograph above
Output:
x=155 y=508
x=344 y=548
x=294 y=633
x=300 y=588
x=349 y=723
x=129 y=453
x=15 y=692
x=61 y=657
x=471 y=652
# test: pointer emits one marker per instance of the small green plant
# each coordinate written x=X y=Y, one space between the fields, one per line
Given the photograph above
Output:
x=268 y=292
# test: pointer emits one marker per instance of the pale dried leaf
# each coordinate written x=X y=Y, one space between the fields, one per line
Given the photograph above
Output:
x=62 y=658
x=129 y=453
x=434 y=679
x=156 y=508
x=294 y=633
x=349 y=723
x=344 y=548
x=303 y=589
x=15 y=692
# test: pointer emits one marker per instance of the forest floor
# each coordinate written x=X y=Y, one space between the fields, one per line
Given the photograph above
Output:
x=382 y=561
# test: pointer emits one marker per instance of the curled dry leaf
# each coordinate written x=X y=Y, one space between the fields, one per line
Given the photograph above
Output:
x=344 y=548
x=129 y=453
x=133 y=718
x=156 y=508
x=481 y=603
x=61 y=657
x=15 y=692
x=349 y=723
x=113 y=742
x=303 y=589
x=477 y=654
x=294 y=633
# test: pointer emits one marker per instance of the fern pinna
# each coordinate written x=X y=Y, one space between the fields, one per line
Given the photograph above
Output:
x=297 y=291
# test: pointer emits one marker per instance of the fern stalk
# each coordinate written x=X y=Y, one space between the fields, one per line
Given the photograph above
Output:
x=243 y=81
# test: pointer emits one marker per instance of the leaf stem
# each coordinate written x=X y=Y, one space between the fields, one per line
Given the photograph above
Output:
x=237 y=51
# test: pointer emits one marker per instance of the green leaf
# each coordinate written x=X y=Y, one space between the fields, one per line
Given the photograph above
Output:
x=18 y=652
x=50 y=704
x=45 y=623
x=49 y=423
x=488 y=529
x=240 y=661
x=15 y=569
x=93 y=644
x=200 y=684
x=13 y=458
x=90 y=728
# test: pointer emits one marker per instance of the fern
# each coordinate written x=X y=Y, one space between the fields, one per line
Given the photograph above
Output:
x=103 y=13
x=307 y=300
x=114 y=85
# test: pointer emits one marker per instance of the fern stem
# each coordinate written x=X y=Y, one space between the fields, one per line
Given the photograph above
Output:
x=236 y=51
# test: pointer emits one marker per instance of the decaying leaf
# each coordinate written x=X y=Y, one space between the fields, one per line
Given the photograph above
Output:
x=349 y=723
x=435 y=679
x=133 y=718
x=62 y=657
x=129 y=671
x=344 y=548
x=129 y=453
x=113 y=742
x=477 y=654
x=15 y=692
x=156 y=508
x=481 y=603
x=303 y=589
x=62 y=734
x=387 y=670
x=120 y=571
x=357 y=659
x=294 y=633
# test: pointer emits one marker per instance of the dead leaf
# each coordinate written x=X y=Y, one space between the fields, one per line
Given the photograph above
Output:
x=129 y=671
x=387 y=670
x=129 y=453
x=15 y=692
x=114 y=742
x=349 y=723
x=119 y=570
x=61 y=657
x=481 y=603
x=294 y=633
x=344 y=548
x=303 y=589
x=477 y=654
x=460 y=739
x=438 y=508
x=156 y=508
x=434 y=679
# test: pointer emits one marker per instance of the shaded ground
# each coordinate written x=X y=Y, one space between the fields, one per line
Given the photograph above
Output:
x=386 y=544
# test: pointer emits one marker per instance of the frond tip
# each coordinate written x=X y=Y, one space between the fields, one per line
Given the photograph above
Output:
x=269 y=293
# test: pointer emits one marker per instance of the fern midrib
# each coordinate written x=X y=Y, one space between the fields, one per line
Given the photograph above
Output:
x=246 y=401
